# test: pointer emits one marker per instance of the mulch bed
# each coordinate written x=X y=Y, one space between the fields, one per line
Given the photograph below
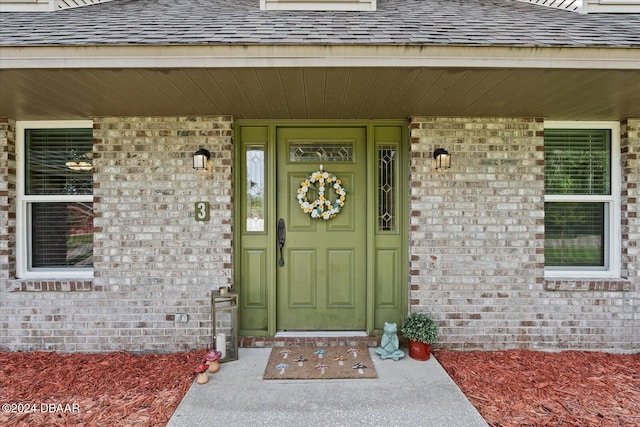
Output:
x=114 y=389
x=509 y=388
x=531 y=388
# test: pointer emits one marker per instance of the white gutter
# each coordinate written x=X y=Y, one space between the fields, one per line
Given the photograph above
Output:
x=162 y=57
x=238 y=56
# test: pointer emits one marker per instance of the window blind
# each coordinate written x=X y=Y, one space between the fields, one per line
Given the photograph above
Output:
x=577 y=161
x=59 y=161
x=574 y=234
x=61 y=235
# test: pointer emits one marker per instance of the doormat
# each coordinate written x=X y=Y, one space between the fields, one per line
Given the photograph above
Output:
x=337 y=362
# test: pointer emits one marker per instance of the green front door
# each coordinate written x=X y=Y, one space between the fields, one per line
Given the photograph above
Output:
x=346 y=273
x=321 y=271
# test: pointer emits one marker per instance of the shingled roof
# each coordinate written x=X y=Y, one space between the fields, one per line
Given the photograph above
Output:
x=396 y=22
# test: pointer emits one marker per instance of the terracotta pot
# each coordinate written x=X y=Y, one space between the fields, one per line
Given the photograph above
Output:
x=419 y=350
x=214 y=366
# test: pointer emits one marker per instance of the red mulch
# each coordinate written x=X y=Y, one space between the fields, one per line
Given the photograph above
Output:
x=112 y=389
x=509 y=388
x=531 y=388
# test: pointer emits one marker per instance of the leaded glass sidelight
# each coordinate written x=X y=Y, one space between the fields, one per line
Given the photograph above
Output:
x=321 y=152
x=387 y=187
x=255 y=188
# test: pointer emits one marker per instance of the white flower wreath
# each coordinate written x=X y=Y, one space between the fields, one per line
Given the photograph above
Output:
x=321 y=208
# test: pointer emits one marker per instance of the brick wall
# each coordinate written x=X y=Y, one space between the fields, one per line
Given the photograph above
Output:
x=477 y=244
x=152 y=258
x=630 y=159
x=7 y=199
x=7 y=217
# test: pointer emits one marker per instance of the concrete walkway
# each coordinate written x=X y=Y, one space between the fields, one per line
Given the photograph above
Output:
x=406 y=392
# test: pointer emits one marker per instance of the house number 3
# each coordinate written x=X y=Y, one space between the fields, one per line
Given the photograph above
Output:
x=202 y=211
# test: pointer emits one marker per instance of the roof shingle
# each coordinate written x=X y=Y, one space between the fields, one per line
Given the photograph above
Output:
x=421 y=22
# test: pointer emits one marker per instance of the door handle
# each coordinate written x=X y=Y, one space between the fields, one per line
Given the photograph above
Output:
x=282 y=236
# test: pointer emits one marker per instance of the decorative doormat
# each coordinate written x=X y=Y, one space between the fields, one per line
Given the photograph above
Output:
x=319 y=363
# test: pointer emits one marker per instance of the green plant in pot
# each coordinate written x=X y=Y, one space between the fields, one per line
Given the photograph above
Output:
x=421 y=331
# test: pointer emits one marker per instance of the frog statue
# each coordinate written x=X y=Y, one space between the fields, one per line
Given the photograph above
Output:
x=389 y=344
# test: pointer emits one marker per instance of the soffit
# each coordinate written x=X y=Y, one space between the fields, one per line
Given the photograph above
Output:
x=321 y=92
x=322 y=82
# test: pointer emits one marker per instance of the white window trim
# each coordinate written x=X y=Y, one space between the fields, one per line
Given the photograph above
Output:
x=613 y=245
x=43 y=5
x=22 y=235
x=326 y=5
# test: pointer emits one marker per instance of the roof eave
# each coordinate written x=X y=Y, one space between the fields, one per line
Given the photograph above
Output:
x=282 y=55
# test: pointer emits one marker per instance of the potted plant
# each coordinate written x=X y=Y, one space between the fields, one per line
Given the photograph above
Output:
x=421 y=331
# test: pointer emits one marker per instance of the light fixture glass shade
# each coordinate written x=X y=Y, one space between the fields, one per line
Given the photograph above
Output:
x=79 y=166
x=200 y=158
x=80 y=162
x=443 y=159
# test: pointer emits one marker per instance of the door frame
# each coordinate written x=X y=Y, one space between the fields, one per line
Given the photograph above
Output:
x=259 y=301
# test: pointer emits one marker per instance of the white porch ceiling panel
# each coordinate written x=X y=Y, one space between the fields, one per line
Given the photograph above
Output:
x=320 y=92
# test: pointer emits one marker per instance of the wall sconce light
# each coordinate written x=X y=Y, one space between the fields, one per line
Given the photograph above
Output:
x=443 y=159
x=200 y=159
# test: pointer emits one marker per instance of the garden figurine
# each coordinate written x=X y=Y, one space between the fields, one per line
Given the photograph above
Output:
x=389 y=343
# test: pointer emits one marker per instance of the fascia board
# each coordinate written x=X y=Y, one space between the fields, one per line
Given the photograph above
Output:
x=257 y=56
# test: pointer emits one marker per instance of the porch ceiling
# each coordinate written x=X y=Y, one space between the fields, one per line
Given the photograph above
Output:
x=322 y=92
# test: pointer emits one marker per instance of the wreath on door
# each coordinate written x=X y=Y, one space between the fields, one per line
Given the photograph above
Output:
x=322 y=207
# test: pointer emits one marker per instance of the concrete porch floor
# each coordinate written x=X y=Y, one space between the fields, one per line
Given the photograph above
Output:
x=406 y=392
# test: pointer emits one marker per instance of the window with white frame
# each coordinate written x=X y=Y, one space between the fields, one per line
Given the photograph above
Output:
x=342 y=5
x=55 y=199
x=582 y=203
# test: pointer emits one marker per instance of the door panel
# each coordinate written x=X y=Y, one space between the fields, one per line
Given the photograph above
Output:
x=301 y=265
x=387 y=264
x=255 y=260
x=341 y=278
x=322 y=284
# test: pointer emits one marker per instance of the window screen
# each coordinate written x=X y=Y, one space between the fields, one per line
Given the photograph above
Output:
x=578 y=175
x=574 y=234
x=577 y=161
x=59 y=163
